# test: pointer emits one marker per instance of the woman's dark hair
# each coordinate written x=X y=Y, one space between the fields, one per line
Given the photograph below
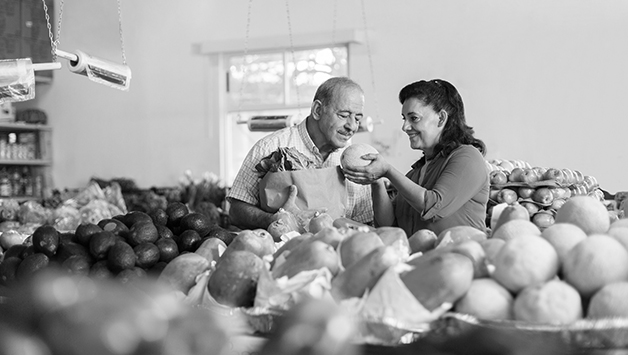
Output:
x=441 y=95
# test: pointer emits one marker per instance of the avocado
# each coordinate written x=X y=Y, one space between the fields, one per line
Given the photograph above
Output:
x=198 y=222
x=133 y=217
x=8 y=269
x=142 y=232
x=131 y=275
x=120 y=257
x=159 y=217
x=114 y=226
x=85 y=231
x=168 y=249
x=15 y=250
x=67 y=237
x=69 y=249
x=100 y=270
x=77 y=265
x=147 y=255
x=164 y=232
x=176 y=210
x=29 y=250
x=46 y=240
x=189 y=240
x=222 y=234
x=100 y=243
x=31 y=265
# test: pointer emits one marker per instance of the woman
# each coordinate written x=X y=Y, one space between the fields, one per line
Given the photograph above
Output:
x=449 y=185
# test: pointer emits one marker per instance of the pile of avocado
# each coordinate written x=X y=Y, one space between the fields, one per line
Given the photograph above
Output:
x=131 y=246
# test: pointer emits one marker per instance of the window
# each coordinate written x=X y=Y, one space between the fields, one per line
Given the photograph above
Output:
x=274 y=77
x=273 y=83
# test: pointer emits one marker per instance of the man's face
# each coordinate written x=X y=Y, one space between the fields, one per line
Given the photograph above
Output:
x=340 y=118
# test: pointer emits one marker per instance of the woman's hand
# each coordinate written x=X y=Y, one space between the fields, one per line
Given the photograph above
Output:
x=365 y=175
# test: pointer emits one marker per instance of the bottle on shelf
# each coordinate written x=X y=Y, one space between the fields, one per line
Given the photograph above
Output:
x=27 y=182
x=16 y=180
x=3 y=147
x=38 y=190
x=5 y=183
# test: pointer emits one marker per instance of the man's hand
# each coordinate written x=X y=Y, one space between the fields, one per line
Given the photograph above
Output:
x=303 y=216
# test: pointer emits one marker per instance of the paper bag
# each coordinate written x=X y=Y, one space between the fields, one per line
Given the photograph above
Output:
x=317 y=189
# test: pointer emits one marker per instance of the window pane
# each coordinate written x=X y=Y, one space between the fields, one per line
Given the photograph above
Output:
x=313 y=67
x=258 y=79
x=263 y=82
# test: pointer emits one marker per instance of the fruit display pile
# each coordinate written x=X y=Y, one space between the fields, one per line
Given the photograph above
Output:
x=525 y=269
x=575 y=269
x=126 y=246
x=540 y=190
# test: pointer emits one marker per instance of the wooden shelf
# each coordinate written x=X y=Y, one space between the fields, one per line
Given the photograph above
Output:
x=33 y=162
x=6 y=126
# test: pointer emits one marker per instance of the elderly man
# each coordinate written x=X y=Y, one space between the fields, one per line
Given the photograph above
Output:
x=334 y=118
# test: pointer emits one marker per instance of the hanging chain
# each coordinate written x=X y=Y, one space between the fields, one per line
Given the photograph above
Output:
x=368 y=51
x=333 y=25
x=246 y=51
x=121 y=36
x=296 y=85
x=53 y=43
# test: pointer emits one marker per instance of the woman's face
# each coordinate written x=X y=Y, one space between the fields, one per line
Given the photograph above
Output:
x=422 y=124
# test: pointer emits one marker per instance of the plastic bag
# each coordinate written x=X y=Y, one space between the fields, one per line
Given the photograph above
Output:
x=97 y=210
x=33 y=212
x=113 y=195
x=90 y=193
x=66 y=218
x=17 y=80
x=283 y=293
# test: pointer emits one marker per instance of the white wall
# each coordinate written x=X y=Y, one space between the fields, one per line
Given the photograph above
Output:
x=543 y=80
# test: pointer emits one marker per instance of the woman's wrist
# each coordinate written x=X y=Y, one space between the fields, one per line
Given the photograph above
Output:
x=379 y=184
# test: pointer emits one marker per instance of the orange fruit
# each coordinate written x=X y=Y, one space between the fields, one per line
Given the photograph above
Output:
x=552 y=302
x=486 y=299
x=595 y=262
x=586 y=212
x=492 y=247
x=514 y=228
x=620 y=223
x=352 y=156
x=563 y=237
x=609 y=301
x=621 y=234
x=524 y=261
